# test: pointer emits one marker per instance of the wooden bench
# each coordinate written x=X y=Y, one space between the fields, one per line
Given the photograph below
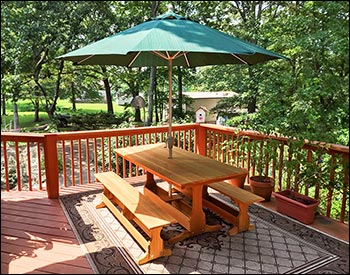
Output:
x=134 y=206
x=242 y=198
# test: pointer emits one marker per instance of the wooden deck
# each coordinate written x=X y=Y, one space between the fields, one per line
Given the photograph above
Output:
x=36 y=237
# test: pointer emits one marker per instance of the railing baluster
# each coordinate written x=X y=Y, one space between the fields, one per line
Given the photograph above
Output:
x=289 y=174
x=103 y=153
x=330 y=188
x=80 y=163
x=345 y=189
x=87 y=150
x=29 y=167
x=95 y=156
x=280 y=167
x=18 y=168
x=72 y=162
x=39 y=166
x=6 y=164
x=210 y=137
x=109 y=154
x=64 y=164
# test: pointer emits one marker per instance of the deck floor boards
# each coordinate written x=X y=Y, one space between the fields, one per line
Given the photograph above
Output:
x=36 y=237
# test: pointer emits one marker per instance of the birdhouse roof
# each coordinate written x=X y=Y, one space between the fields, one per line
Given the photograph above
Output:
x=202 y=108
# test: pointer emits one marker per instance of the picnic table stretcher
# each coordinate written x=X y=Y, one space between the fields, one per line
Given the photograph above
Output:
x=138 y=208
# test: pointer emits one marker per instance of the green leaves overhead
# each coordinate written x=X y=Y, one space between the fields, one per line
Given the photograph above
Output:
x=307 y=97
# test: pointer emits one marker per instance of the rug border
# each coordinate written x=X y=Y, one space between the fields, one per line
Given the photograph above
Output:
x=300 y=223
x=328 y=259
x=75 y=231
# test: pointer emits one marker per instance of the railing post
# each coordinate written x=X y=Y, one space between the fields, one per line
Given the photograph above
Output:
x=51 y=165
x=200 y=145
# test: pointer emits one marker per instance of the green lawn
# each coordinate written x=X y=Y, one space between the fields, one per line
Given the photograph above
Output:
x=26 y=112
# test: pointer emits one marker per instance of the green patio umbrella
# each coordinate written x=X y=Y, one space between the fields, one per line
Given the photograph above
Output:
x=170 y=40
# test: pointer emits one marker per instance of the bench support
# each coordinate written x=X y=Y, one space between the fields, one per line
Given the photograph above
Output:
x=154 y=247
x=238 y=217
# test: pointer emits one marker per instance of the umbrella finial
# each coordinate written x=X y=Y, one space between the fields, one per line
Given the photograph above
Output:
x=170 y=7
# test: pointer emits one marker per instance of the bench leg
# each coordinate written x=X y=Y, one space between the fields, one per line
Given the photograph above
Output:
x=239 y=219
x=108 y=194
x=100 y=205
x=156 y=247
x=242 y=222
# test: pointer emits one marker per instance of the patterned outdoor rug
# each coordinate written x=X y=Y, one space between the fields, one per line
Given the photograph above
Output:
x=277 y=245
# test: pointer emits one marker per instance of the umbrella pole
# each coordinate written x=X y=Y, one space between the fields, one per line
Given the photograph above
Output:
x=170 y=137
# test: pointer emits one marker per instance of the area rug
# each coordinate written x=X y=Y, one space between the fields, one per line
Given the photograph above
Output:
x=277 y=245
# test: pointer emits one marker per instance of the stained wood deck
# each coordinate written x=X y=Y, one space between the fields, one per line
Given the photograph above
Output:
x=36 y=237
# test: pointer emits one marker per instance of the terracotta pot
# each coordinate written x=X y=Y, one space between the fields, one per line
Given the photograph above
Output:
x=238 y=181
x=296 y=205
x=262 y=186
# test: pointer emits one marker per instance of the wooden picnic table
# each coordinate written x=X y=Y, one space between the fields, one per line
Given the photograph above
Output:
x=185 y=172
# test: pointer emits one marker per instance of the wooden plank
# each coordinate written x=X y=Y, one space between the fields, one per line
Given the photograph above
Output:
x=62 y=231
x=36 y=238
x=227 y=189
x=143 y=208
x=176 y=170
x=127 y=224
x=138 y=208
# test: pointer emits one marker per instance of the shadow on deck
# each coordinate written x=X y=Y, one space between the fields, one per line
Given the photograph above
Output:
x=37 y=238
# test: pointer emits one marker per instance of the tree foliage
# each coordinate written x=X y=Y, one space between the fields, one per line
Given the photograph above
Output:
x=307 y=97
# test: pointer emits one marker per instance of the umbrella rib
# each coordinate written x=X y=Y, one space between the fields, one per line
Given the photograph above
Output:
x=133 y=60
x=81 y=61
x=161 y=55
x=187 y=61
x=176 y=55
x=240 y=59
x=168 y=56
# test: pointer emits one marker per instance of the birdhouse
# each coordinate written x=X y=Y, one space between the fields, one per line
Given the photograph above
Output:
x=200 y=114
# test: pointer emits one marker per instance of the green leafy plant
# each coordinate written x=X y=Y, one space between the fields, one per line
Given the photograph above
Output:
x=263 y=156
x=309 y=168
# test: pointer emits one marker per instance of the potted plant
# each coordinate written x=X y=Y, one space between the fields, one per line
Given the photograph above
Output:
x=263 y=154
x=291 y=202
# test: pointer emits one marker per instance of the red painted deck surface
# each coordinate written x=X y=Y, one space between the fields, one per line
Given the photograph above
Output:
x=37 y=238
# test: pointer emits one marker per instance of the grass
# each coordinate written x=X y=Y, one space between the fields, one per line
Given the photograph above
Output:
x=26 y=112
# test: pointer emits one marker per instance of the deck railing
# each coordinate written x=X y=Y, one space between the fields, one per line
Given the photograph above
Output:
x=55 y=160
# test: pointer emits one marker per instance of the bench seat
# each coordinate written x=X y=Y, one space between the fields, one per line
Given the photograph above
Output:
x=134 y=206
x=242 y=198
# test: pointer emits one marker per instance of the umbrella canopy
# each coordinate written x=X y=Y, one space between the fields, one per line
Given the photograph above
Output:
x=167 y=40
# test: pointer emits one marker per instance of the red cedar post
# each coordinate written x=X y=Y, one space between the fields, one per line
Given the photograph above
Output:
x=51 y=166
x=200 y=140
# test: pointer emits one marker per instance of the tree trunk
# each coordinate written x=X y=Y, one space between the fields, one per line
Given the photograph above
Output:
x=252 y=99
x=52 y=109
x=15 y=116
x=3 y=105
x=179 y=76
x=152 y=88
x=108 y=92
x=74 y=107
x=138 y=115
x=252 y=105
x=36 y=111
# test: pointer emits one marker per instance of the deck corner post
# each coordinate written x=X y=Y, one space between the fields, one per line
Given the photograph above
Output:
x=51 y=165
x=200 y=145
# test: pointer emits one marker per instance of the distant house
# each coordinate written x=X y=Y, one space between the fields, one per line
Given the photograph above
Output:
x=207 y=100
